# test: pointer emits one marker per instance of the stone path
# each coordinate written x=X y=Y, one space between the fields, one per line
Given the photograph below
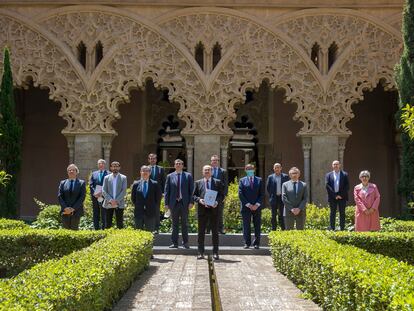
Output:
x=251 y=283
x=179 y=282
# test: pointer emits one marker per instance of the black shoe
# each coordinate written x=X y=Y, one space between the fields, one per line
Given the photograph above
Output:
x=246 y=246
x=207 y=231
x=173 y=246
x=215 y=256
x=222 y=232
x=256 y=247
x=200 y=256
x=186 y=246
x=152 y=256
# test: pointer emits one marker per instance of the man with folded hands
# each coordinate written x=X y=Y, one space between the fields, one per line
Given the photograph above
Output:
x=72 y=192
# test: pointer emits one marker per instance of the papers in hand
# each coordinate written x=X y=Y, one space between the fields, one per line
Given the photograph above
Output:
x=167 y=213
x=98 y=190
x=210 y=197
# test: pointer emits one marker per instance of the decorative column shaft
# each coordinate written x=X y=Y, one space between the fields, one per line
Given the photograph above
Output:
x=341 y=150
x=71 y=147
x=189 y=141
x=107 y=146
x=224 y=148
x=307 y=146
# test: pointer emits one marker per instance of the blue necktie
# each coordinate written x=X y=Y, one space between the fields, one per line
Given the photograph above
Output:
x=145 y=189
x=101 y=177
x=153 y=172
x=71 y=186
x=294 y=188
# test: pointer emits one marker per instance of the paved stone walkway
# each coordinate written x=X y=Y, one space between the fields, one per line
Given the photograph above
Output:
x=172 y=282
x=251 y=283
x=179 y=282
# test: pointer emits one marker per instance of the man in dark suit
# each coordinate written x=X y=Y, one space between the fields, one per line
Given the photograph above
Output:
x=274 y=189
x=72 y=192
x=178 y=195
x=207 y=212
x=220 y=174
x=158 y=174
x=146 y=196
x=251 y=194
x=294 y=196
x=337 y=186
x=97 y=178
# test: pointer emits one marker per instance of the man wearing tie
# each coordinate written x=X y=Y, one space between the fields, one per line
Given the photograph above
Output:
x=157 y=174
x=220 y=174
x=114 y=192
x=337 y=186
x=72 y=192
x=294 y=197
x=178 y=195
x=146 y=196
x=95 y=186
x=207 y=212
x=251 y=194
x=274 y=189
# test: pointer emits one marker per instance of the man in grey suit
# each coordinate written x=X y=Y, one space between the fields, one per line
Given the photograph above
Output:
x=114 y=192
x=157 y=174
x=294 y=197
x=178 y=197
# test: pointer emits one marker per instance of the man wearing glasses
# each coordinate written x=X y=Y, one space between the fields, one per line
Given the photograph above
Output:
x=294 y=197
x=178 y=197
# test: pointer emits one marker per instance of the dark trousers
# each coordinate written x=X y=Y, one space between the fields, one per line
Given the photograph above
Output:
x=157 y=217
x=98 y=214
x=179 y=213
x=291 y=219
x=277 y=211
x=220 y=218
x=144 y=222
x=70 y=222
x=119 y=215
x=340 y=205
x=247 y=216
x=213 y=220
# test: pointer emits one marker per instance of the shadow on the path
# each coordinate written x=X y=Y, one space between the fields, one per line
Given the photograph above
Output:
x=161 y=260
x=226 y=261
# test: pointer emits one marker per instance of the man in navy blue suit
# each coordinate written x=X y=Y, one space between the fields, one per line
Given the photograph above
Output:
x=158 y=174
x=337 y=186
x=146 y=196
x=274 y=189
x=251 y=194
x=97 y=178
x=72 y=192
x=178 y=195
x=220 y=174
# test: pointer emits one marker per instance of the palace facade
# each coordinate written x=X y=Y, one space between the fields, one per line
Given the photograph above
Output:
x=297 y=82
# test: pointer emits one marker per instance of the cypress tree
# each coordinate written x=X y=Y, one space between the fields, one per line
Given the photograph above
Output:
x=10 y=141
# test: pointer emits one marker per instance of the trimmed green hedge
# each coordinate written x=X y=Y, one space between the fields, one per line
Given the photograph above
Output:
x=399 y=245
x=89 y=279
x=22 y=249
x=394 y=225
x=342 y=277
x=12 y=224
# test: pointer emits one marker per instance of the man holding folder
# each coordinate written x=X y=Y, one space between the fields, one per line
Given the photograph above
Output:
x=208 y=194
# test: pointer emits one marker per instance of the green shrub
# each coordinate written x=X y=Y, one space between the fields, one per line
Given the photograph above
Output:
x=88 y=279
x=342 y=277
x=12 y=224
x=394 y=225
x=21 y=249
x=399 y=245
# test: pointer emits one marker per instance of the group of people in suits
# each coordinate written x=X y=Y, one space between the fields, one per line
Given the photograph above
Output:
x=287 y=198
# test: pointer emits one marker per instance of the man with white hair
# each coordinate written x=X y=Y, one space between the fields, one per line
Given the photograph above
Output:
x=294 y=196
x=72 y=192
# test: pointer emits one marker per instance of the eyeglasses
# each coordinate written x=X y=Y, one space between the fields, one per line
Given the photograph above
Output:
x=364 y=176
x=178 y=164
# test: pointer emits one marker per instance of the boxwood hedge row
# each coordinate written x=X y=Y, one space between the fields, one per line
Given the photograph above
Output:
x=342 y=277
x=22 y=249
x=399 y=245
x=12 y=224
x=88 y=279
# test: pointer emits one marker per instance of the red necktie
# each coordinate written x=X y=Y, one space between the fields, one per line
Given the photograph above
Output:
x=251 y=183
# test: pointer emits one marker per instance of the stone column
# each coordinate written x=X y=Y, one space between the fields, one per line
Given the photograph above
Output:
x=87 y=150
x=307 y=146
x=205 y=145
x=324 y=150
x=341 y=150
x=107 y=146
x=261 y=158
x=189 y=142
x=71 y=147
x=224 y=147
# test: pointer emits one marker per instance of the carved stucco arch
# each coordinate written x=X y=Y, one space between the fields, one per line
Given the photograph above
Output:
x=253 y=52
x=371 y=48
x=35 y=55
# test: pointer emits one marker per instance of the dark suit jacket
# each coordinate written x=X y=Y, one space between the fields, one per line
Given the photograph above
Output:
x=187 y=187
x=249 y=195
x=150 y=202
x=271 y=186
x=222 y=176
x=343 y=186
x=159 y=177
x=72 y=199
x=200 y=191
x=294 y=200
x=95 y=180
